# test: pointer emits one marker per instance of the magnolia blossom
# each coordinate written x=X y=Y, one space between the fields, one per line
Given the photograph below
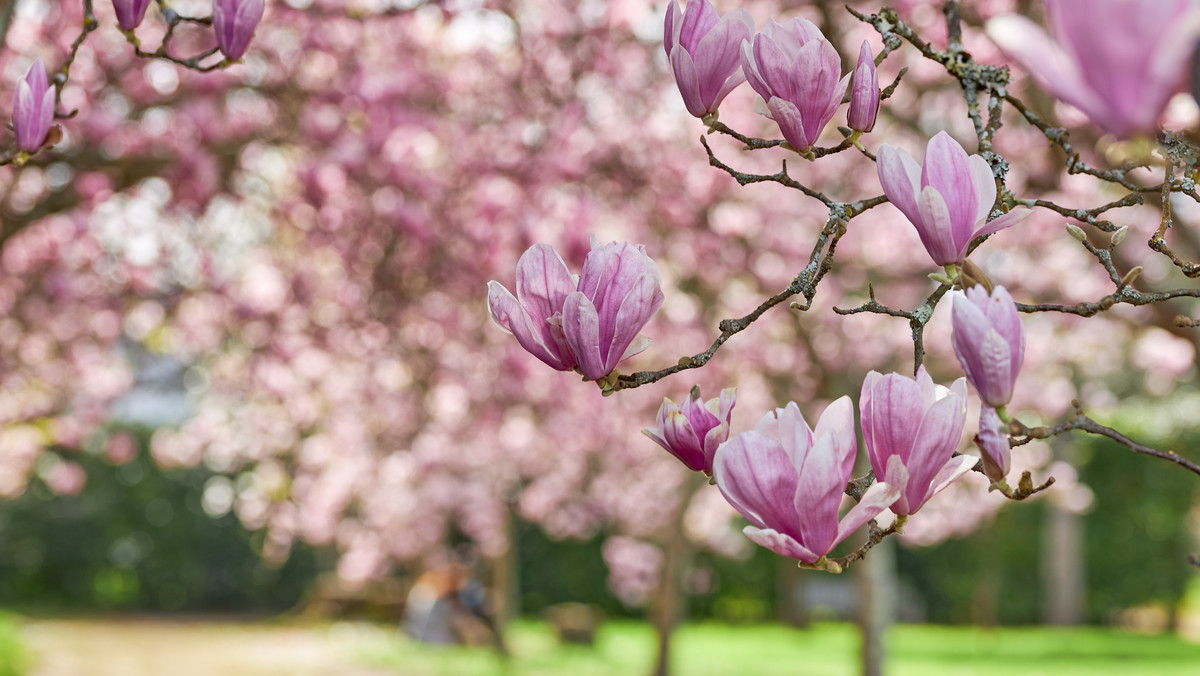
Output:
x=948 y=198
x=620 y=289
x=1118 y=61
x=703 y=50
x=130 y=12
x=992 y=439
x=989 y=342
x=589 y=324
x=33 y=108
x=693 y=431
x=796 y=71
x=911 y=428
x=864 y=92
x=789 y=481
x=234 y=22
x=534 y=315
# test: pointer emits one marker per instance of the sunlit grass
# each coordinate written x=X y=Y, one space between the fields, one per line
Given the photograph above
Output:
x=824 y=650
x=13 y=659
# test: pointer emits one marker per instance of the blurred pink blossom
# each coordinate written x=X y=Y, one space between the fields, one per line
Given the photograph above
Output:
x=1119 y=61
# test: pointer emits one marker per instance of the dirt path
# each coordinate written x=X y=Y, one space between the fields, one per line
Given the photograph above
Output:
x=167 y=647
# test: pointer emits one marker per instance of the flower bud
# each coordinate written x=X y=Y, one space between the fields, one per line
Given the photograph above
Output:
x=234 y=22
x=692 y=431
x=988 y=341
x=1076 y=232
x=1131 y=276
x=1119 y=234
x=33 y=108
x=130 y=12
x=864 y=92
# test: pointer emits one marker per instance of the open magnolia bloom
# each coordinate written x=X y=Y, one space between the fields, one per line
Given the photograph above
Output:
x=1118 y=61
x=589 y=324
x=948 y=198
x=911 y=428
x=789 y=481
x=703 y=48
x=797 y=72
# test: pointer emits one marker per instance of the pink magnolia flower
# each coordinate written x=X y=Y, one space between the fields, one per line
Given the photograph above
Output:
x=130 y=12
x=989 y=342
x=864 y=92
x=234 y=22
x=703 y=50
x=693 y=431
x=619 y=290
x=911 y=428
x=589 y=324
x=992 y=439
x=796 y=71
x=534 y=315
x=948 y=198
x=789 y=481
x=33 y=108
x=1118 y=61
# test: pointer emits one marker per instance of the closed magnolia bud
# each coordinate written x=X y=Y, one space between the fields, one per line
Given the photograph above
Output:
x=130 y=12
x=1076 y=232
x=234 y=22
x=33 y=108
x=864 y=92
x=989 y=342
x=1119 y=234
x=1131 y=276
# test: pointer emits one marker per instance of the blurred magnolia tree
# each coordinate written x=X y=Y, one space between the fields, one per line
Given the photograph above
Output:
x=309 y=229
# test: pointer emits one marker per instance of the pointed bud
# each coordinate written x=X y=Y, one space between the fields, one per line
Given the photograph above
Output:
x=33 y=108
x=1131 y=276
x=130 y=12
x=1118 y=235
x=234 y=22
x=1076 y=232
x=972 y=275
x=864 y=92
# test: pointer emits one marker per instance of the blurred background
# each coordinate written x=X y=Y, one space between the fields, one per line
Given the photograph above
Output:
x=254 y=418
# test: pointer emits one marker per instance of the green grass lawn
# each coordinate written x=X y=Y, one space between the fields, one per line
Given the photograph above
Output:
x=824 y=650
x=12 y=652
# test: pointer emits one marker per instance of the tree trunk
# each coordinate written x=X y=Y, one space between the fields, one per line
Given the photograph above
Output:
x=1063 y=568
x=789 y=591
x=876 y=577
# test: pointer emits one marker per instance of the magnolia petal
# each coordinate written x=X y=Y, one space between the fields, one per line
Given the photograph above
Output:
x=781 y=544
x=985 y=187
x=819 y=494
x=877 y=498
x=581 y=327
x=937 y=229
x=688 y=82
x=948 y=170
x=757 y=478
x=1008 y=220
x=954 y=468
x=900 y=176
